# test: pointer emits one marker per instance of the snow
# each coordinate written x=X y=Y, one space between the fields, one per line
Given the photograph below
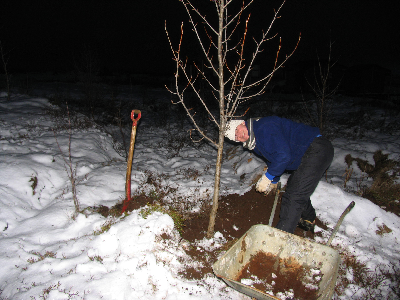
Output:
x=45 y=253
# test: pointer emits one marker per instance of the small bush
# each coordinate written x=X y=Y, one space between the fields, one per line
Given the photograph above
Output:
x=367 y=284
x=34 y=184
x=384 y=191
x=105 y=227
x=96 y=258
x=176 y=217
x=382 y=229
x=41 y=257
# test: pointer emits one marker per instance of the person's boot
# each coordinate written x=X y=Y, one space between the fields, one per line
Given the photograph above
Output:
x=306 y=225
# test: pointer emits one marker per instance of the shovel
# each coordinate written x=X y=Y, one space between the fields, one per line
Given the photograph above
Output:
x=130 y=157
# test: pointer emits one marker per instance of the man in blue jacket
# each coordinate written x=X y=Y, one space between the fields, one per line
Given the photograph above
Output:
x=291 y=146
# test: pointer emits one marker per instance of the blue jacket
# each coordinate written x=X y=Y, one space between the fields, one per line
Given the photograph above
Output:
x=282 y=143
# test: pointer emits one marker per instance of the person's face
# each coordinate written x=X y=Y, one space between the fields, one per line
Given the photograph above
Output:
x=241 y=133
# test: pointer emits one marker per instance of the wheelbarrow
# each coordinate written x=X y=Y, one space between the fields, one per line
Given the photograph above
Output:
x=264 y=238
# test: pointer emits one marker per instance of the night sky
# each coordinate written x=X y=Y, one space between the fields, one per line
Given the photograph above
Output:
x=129 y=35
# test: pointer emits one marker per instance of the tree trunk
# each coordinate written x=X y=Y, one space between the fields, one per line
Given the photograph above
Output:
x=217 y=182
x=222 y=120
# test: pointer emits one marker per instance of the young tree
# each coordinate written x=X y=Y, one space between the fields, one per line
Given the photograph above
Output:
x=323 y=90
x=69 y=166
x=4 y=59
x=229 y=63
x=87 y=67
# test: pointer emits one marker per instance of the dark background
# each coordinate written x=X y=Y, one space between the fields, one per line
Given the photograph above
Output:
x=129 y=36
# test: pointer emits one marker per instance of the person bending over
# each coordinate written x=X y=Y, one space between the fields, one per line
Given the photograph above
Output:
x=287 y=146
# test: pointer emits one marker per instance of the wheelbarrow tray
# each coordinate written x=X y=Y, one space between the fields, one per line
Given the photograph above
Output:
x=284 y=245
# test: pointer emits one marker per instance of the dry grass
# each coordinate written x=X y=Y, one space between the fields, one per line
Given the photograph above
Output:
x=384 y=190
x=365 y=283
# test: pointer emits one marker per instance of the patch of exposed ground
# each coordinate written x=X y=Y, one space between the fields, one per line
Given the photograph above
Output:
x=236 y=214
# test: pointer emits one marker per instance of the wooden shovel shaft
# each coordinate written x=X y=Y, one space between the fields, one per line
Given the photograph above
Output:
x=271 y=218
x=129 y=168
x=130 y=158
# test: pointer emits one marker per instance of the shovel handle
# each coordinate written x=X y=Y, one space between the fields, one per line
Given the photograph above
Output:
x=278 y=190
x=139 y=115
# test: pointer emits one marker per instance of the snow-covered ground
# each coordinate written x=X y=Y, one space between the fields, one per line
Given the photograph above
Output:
x=46 y=254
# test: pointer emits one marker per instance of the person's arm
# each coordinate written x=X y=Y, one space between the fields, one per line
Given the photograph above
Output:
x=273 y=146
x=274 y=179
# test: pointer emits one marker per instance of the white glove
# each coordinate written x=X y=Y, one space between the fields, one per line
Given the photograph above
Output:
x=264 y=185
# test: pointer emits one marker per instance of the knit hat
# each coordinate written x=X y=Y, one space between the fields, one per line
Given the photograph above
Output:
x=231 y=128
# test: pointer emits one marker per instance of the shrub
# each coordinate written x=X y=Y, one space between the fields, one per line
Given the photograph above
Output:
x=176 y=217
x=384 y=190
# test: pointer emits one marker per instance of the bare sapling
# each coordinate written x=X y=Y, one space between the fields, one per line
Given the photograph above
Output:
x=70 y=168
x=223 y=45
x=87 y=68
x=322 y=90
x=4 y=59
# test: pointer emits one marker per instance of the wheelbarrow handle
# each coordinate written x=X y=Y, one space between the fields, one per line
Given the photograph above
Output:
x=344 y=213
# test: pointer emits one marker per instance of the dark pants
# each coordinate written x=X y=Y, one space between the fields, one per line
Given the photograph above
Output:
x=302 y=182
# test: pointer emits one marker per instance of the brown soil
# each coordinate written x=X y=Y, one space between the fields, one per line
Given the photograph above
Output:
x=236 y=214
x=274 y=275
